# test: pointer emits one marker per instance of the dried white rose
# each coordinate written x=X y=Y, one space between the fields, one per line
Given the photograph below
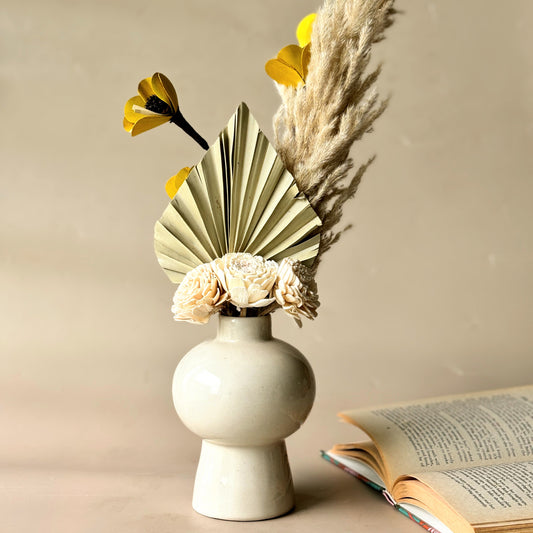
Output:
x=198 y=295
x=248 y=279
x=295 y=290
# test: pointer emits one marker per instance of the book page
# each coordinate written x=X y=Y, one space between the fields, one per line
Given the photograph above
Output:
x=451 y=432
x=493 y=493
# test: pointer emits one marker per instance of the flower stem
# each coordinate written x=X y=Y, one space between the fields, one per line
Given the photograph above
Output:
x=180 y=121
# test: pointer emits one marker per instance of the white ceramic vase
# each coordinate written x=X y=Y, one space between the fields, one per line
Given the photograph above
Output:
x=243 y=392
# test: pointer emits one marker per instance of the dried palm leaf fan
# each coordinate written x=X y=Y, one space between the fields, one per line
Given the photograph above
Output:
x=239 y=198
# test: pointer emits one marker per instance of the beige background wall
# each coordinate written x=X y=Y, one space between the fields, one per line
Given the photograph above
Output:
x=430 y=293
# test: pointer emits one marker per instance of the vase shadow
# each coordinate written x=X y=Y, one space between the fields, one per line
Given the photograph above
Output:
x=313 y=492
x=326 y=489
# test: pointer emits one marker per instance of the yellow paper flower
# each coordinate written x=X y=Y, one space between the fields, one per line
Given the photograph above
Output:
x=290 y=66
x=156 y=104
x=176 y=181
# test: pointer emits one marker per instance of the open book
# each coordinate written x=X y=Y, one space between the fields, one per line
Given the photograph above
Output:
x=454 y=464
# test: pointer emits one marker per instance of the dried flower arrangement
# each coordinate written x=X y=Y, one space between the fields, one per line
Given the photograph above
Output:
x=247 y=227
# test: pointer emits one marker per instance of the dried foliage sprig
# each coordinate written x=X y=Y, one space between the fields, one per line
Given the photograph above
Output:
x=319 y=121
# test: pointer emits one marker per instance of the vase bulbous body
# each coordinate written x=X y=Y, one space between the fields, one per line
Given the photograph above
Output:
x=243 y=393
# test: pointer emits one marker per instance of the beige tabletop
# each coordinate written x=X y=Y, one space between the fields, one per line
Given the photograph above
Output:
x=66 y=500
x=429 y=293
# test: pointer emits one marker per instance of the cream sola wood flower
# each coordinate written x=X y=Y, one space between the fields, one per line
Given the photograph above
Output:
x=198 y=296
x=247 y=279
x=295 y=290
x=156 y=104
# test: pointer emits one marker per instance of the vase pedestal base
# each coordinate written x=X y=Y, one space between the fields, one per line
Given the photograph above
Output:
x=243 y=483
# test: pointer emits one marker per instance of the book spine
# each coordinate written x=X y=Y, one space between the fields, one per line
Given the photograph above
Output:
x=353 y=473
x=415 y=519
x=386 y=494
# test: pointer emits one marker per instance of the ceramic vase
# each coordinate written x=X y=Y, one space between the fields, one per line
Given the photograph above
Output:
x=243 y=393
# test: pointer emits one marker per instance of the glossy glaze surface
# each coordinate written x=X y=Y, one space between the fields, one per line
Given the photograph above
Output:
x=243 y=393
x=244 y=386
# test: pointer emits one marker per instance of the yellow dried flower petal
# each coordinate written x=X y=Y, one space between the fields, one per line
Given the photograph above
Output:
x=128 y=126
x=292 y=56
x=304 y=30
x=176 y=181
x=282 y=73
x=164 y=90
x=146 y=123
x=129 y=113
x=145 y=88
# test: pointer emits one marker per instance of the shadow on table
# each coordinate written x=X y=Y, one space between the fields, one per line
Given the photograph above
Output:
x=329 y=489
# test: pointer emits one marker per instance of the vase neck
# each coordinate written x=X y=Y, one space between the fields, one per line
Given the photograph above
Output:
x=244 y=328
